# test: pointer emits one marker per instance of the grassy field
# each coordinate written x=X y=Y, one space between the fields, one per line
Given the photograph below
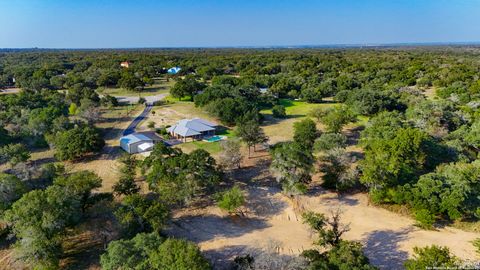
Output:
x=160 y=86
x=279 y=130
x=296 y=108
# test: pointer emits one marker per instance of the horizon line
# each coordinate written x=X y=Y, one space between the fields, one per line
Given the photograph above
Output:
x=305 y=46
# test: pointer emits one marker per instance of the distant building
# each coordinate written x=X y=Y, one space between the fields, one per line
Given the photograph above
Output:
x=263 y=90
x=195 y=128
x=125 y=64
x=174 y=70
x=139 y=142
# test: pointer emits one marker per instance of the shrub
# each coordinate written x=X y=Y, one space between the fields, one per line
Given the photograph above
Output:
x=330 y=141
x=425 y=218
x=431 y=257
x=278 y=111
x=231 y=200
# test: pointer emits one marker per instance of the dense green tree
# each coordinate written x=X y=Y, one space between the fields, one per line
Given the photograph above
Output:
x=431 y=256
x=181 y=177
x=79 y=92
x=14 y=154
x=129 y=81
x=395 y=161
x=38 y=220
x=278 y=111
x=139 y=214
x=384 y=125
x=329 y=141
x=304 y=133
x=126 y=184
x=80 y=184
x=452 y=190
x=187 y=87
x=368 y=102
x=11 y=189
x=77 y=142
x=292 y=166
x=40 y=120
x=131 y=253
x=150 y=251
x=312 y=94
x=4 y=137
x=177 y=254
x=336 y=118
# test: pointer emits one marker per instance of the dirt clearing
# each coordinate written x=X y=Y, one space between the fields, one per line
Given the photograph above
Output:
x=272 y=218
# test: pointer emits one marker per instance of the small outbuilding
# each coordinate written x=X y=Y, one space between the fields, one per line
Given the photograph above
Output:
x=137 y=143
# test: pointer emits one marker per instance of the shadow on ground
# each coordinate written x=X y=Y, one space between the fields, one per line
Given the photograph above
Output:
x=207 y=227
x=265 y=257
x=382 y=248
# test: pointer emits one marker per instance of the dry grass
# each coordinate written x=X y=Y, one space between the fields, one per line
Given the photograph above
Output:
x=388 y=237
x=430 y=92
x=171 y=113
x=106 y=164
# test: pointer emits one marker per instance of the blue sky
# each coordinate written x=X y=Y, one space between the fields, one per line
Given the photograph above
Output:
x=211 y=23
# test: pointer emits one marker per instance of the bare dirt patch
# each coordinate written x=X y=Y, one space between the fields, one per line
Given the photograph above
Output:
x=171 y=113
x=271 y=217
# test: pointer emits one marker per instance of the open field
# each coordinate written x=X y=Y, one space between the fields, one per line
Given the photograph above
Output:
x=279 y=130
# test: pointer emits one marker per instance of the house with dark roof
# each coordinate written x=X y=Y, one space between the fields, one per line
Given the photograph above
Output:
x=195 y=129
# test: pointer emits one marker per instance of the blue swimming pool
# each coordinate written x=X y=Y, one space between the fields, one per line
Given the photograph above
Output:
x=215 y=138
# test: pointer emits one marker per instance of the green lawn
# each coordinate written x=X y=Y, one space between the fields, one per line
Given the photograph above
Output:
x=298 y=108
x=211 y=147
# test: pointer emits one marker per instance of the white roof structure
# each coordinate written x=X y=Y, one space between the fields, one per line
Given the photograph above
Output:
x=191 y=127
x=145 y=146
x=134 y=138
